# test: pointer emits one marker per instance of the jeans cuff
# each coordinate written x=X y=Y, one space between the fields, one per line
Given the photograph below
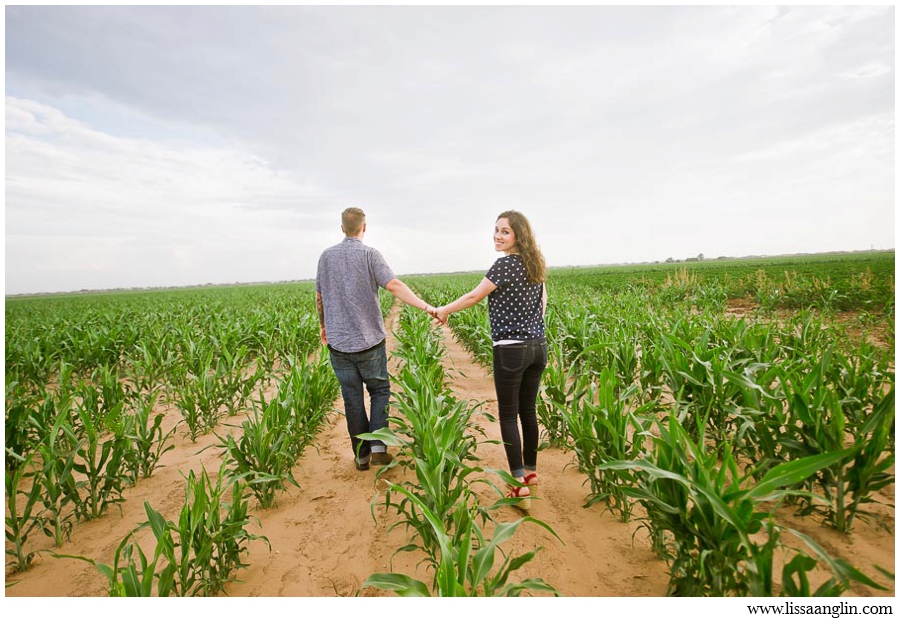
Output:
x=379 y=449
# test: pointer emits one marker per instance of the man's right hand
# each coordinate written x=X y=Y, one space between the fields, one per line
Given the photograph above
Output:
x=322 y=336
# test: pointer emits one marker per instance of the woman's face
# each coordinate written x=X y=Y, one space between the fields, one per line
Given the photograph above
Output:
x=504 y=237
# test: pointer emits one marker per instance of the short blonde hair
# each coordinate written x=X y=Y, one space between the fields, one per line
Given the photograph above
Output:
x=352 y=220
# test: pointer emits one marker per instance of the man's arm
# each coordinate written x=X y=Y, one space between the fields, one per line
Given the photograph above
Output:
x=320 y=309
x=403 y=293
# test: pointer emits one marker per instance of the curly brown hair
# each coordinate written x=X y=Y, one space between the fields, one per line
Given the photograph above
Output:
x=535 y=265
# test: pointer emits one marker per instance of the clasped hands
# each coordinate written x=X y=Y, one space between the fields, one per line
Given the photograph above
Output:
x=439 y=313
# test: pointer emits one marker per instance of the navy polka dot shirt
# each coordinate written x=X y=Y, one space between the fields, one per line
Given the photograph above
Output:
x=514 y=308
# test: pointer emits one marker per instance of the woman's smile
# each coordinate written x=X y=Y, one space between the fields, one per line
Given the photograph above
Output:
x=504 y=237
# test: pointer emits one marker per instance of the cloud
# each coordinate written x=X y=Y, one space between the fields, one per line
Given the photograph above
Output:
x=220 y=143
x=81 y=199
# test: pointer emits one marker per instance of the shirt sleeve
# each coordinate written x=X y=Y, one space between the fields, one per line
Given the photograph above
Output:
x=500 y=273
x=380 y=270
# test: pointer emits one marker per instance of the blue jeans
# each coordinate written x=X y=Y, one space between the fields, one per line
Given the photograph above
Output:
x=353 y=370
x=517 y=379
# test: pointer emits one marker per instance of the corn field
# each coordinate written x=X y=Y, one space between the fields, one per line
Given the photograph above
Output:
x=701 y=404
x=87 y=379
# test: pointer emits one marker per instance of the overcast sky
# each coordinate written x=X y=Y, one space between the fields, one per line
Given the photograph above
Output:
x=167 y=146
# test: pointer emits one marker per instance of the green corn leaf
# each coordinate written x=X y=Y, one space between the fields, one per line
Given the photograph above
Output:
x=398 y=583
x=792 y=473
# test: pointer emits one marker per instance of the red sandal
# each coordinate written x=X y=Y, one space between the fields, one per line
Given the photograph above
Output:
x=515 y=492
x=531 y=480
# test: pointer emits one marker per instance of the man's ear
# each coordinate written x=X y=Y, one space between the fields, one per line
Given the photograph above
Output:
x=342 y=230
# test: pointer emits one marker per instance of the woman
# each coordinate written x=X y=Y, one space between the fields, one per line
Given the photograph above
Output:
x=517 y=300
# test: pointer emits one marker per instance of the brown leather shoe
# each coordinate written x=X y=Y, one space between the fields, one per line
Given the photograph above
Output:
x=382 y=458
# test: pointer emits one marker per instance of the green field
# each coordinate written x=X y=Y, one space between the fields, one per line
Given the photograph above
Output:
x=698 y=400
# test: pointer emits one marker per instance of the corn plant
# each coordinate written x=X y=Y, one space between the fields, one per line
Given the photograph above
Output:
x=112 y=390
x=149 y=365
x=710 y=296
x=761 y=418
x=236 y=384
x=132 y=577
x=294 y=336
x=560 y=387
x=651 y=372
x=23 y=414
x=466 y=559
x=23 y=514
x=201 y=396
x=624 y=353
x=309 y=389
x=265 y=453
x=210 y=535
x=59 y=452
x=144 y=430
x=30 y=413
x=704 y=516
x=102 y=462
x=442 y=470
x=473 y=330
x=872 y=466
x=695 y=370
x=421 y=351
x=605 y=426
x=197 y=555
x=437 y=441
x=806 y=336
x=278 y=431
x=434 y=435
x=819 y=423
x=796 y=582
x=32 y=343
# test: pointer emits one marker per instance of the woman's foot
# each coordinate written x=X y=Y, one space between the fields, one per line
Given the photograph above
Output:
x=521 y=493
x=531 y=479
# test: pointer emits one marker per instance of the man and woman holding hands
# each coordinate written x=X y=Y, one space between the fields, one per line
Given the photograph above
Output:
x=348 y=277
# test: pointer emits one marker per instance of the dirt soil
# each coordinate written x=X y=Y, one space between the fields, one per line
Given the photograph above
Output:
x=327 y=538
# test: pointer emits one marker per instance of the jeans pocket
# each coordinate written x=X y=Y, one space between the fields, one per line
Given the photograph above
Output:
x=511 y=357
x=373 y=365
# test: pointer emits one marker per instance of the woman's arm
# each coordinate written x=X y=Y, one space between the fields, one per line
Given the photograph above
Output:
x=544 y=300
x=467 y=300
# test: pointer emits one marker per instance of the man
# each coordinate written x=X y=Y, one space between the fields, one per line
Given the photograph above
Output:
x=347 y=281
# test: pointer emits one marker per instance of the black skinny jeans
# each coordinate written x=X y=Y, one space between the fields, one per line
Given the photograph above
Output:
x=517 y=379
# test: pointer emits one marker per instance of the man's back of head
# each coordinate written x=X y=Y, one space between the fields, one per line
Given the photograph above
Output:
x=353 y=220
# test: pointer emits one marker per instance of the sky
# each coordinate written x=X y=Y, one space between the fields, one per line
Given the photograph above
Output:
x=159 y=146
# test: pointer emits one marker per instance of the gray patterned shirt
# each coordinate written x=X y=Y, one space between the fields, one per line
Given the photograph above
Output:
x=348 y=278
